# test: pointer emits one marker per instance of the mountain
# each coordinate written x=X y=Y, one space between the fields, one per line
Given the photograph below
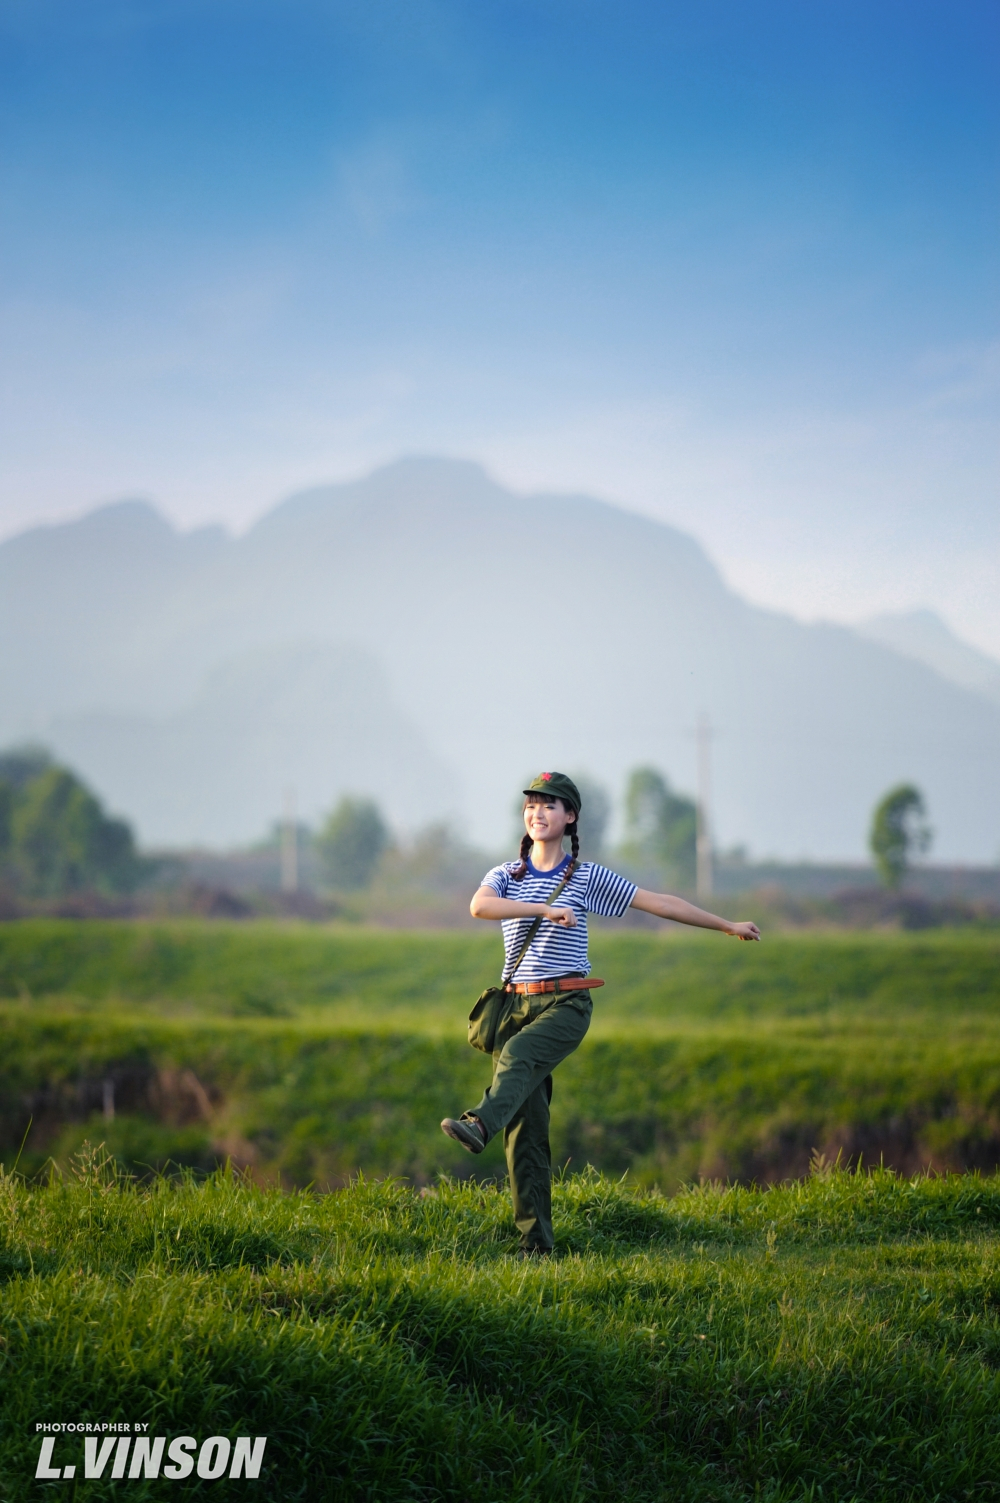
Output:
x=923 y=636
x=311 y=719
x=510 y=633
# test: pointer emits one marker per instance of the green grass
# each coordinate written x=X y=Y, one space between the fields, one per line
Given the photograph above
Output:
x=424 y=980
x=837 y=1338
x=328 y=1051
x=833 y=1339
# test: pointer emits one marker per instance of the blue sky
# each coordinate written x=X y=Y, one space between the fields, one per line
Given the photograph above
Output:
x=732 y=264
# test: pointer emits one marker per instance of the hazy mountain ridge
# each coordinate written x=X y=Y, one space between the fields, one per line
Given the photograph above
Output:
x=512 y=632
x=81 y=615
x=923 y=636
x=307 y=719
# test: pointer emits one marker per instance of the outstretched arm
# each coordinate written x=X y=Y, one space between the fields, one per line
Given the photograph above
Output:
x=683 y=912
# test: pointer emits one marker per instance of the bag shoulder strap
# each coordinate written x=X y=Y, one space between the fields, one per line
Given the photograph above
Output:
x=537 y=923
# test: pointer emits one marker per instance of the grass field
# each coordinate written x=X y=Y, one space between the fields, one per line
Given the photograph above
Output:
x=836 y=1339
x=313 y=1053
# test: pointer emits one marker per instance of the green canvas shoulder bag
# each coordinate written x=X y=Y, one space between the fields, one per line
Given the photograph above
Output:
x=496 y=1002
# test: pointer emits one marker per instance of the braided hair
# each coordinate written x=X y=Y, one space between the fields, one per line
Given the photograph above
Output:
x=573 y=831
x=521 y=870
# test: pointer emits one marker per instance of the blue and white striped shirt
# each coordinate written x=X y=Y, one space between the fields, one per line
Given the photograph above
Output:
x=555 y=951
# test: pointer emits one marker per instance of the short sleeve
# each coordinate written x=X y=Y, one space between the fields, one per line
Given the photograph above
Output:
x=497 y=879
x=608 y=894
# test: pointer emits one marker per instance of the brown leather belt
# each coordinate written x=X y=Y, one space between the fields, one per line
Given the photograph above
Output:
x=554 y=984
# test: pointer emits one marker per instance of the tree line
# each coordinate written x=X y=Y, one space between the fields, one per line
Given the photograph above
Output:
x=56 y=838
x=660 y=827
x=660 y=832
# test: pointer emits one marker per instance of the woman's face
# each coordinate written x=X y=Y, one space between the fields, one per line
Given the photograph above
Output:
x=547 y=818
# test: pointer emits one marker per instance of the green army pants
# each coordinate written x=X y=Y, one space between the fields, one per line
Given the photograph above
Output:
x=540 y=1032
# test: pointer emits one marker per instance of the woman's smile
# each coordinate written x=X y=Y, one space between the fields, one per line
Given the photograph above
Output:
x=545 y=821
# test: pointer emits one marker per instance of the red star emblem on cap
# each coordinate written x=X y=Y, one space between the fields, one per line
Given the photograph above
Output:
x=546 y=777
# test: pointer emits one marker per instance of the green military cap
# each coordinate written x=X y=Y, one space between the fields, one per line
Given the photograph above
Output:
x=557 y=785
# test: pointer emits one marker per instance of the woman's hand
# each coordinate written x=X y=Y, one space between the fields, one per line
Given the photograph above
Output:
x=564 y=917
x=746 y=930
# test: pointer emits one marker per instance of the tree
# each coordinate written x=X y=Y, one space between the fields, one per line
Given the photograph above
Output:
x=18 y=768
x=22 y=764
x=899 y=831
x=660 y=825
x=351 y=843
x=55 y=837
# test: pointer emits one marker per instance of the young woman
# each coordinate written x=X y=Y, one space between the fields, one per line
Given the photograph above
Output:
x=551 y=1005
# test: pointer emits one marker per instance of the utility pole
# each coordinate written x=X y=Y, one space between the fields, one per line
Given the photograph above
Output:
x=703 y=735
x=289 y=845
